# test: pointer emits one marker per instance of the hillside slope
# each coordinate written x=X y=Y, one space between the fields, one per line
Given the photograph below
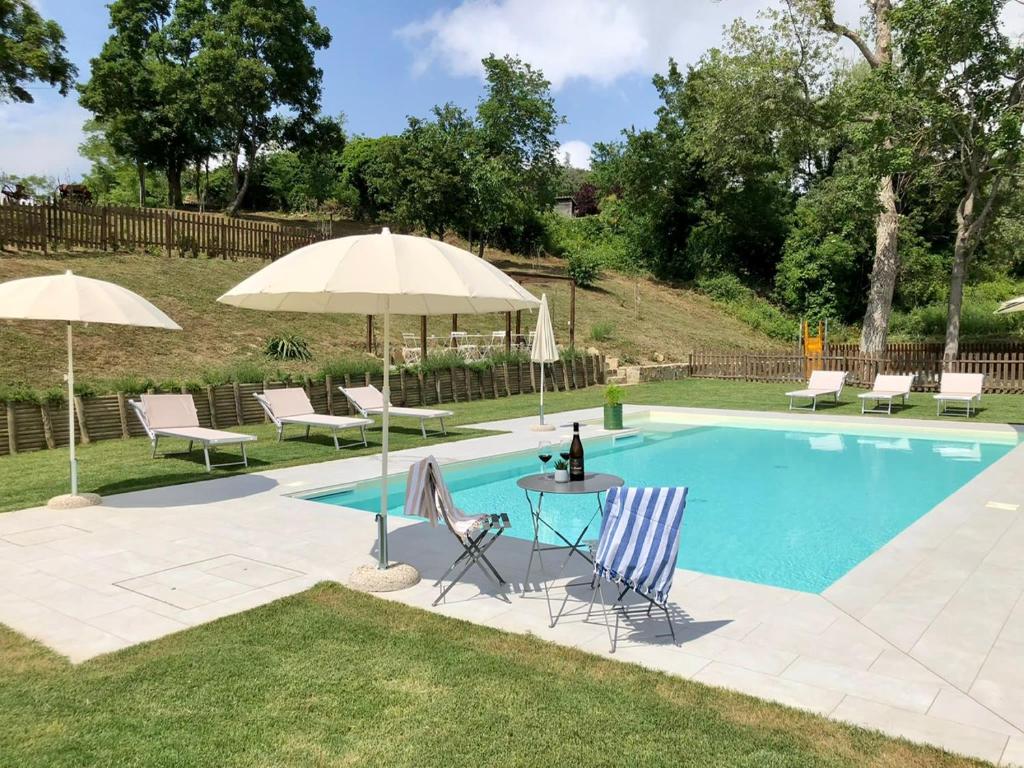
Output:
x=667 y=322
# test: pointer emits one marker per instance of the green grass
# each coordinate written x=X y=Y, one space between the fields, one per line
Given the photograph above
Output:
x=331 y=677
x=116 y=466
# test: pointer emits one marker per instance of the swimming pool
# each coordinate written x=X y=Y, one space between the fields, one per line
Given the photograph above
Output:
x=794 y=507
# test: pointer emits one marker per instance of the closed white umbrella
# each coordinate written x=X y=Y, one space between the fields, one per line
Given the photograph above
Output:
x=75 y=299
x=544 y=350
x=381 y=274
x=1013 y=305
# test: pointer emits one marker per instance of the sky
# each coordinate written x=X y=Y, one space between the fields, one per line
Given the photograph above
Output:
x=394 y=58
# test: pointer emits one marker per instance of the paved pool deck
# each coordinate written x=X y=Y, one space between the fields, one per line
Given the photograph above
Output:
x=924 y=639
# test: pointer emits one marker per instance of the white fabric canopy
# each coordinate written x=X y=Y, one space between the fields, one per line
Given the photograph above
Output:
x=544 y=349
x=75 y=299
x=371 y=274
x=381 y=274
x=1013 y=305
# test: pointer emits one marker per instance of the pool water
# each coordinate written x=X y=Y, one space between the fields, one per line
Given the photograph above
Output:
x=788 y=508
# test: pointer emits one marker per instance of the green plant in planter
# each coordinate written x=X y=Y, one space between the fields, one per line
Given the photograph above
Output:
x=613 y=396
x=561 y=470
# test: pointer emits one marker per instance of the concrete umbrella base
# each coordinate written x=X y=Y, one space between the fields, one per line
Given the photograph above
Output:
x=370 y=578
x=542 y=428
x=74 y=501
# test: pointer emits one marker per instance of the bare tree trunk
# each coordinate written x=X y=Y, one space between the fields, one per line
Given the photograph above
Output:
x=140 y=168
x=174 y=184
x=481 y=251
x=232 y=209
x=875 y=331
x=956 y=294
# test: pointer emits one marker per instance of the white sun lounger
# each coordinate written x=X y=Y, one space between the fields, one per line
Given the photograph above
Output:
x=368 y=400
x=175 y=416
x=821 y=384
x=959 y=388
x=887 y=388
x=292 y=406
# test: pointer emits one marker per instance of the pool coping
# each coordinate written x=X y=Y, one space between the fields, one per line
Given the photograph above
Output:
x=888 y=646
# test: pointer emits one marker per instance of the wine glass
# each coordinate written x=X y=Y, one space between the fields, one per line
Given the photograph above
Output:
x=544 y=454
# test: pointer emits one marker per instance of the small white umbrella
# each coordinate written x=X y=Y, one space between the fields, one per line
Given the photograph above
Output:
x=544 y=350
x=1013 y=305
x=385 y=275
x=75 y=299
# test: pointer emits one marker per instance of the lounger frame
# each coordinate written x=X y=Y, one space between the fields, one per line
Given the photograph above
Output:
x=813 y=394
x=965 y=397
x=402 y=412
x=280 y=422
x=155 y=435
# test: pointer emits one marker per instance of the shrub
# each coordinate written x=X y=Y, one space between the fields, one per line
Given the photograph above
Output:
x=130 y=384
x=746 y=305
x=584 y=268
x=287 y=346
x=241 y=372
x=339 y=367
x=440 y=360
x=513 y=356
x=614 y=394
x=602 y=331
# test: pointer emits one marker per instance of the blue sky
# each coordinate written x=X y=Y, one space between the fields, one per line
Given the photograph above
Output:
x=393 y=58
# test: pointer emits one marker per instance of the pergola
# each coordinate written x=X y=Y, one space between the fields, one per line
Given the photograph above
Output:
x=522 y=278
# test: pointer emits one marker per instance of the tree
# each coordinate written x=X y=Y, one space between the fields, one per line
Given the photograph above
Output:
x=31 y=50
x=885 y=268
x=965 y=81
x=516 y=120
x=144 y=88
x=256 y=58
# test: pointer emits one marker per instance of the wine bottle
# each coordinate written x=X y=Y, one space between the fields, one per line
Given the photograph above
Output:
x=576 y=454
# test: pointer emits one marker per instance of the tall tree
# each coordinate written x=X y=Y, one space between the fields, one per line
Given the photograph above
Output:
x=965 y=81
x=258 y=57
x=31 y=50
x=144 y=88
x=885 y=268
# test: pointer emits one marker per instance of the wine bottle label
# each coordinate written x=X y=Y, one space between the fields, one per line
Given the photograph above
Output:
x=576 y=468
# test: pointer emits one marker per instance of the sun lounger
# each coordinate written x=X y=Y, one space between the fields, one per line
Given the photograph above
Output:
x=369 y=400
x=821 y=384
x=959 y=388
x=637 y=550
x=427 y=495
x=292 y=406
x=887 y=388
x=175 y=416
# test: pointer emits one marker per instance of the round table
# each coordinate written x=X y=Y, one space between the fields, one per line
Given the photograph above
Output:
x=593 y=482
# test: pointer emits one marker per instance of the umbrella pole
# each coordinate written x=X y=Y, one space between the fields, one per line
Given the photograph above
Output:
x=542 y=394
x=382 y=518
x=71 y=415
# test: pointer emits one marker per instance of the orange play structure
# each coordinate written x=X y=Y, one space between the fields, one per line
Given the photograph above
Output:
x=813 y=346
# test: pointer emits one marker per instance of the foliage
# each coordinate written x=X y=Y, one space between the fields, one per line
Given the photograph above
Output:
x=584 y=268
x=441 y=360
x=614 y=395
x=602 y=331
x=514 y=356
x=745 y=304
x=340 y=367
x=242 y=372
x=31 y=50
x=561 y=464
x=287 y=346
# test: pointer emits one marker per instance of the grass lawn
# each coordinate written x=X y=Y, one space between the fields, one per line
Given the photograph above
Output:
x=331 y=677
x=116 y=466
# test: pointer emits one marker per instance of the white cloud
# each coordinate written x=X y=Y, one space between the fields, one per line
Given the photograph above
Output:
x=594 y=40
x=578 y=153
x=42 y=139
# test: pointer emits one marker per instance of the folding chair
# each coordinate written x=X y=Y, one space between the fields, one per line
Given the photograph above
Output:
x=428 y=496
x=637 y=550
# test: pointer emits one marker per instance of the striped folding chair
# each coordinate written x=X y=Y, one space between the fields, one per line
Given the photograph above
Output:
x=637 y=550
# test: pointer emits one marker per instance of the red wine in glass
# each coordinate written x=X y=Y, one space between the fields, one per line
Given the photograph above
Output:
x=544 y=458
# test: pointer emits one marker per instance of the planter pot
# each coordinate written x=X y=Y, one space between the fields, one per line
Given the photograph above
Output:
x=561 y=475
x=613 y=416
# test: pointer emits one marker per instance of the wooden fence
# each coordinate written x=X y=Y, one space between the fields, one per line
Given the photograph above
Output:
x=1004 y=371
x=30 y=426
x=119 y=228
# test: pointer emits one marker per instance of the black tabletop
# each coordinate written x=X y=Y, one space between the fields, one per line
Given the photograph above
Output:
x=592 y=482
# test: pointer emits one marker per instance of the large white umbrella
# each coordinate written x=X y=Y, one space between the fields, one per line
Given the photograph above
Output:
x=381 y=274
x=75 y=299
x=544 y=350
x=1013 y=305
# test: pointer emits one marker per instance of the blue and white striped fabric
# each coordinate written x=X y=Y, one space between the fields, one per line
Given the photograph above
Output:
x=640 y=539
